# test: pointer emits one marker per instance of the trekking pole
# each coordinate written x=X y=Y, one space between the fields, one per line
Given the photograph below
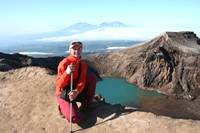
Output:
x=70 y=115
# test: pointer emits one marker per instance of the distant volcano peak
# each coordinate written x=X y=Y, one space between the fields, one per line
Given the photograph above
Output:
x=113 y=24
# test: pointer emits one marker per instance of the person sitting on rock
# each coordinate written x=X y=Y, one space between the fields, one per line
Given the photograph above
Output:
x=84 y=83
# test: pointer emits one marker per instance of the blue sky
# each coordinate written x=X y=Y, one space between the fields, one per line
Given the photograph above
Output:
x=20 y=17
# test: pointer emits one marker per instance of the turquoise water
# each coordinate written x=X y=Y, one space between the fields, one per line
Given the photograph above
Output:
x=118 y=91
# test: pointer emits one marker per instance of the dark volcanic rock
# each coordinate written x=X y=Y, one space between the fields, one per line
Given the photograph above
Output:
x=169 y=64
x=14 y=61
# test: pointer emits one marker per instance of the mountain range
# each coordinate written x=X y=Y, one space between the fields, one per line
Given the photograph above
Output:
x=115 y=30
x=105 y=31
x=78 y=30
x=83 y=27
x=85 y=31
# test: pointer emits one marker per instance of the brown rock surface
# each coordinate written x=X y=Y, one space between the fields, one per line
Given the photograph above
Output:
x=27 y=104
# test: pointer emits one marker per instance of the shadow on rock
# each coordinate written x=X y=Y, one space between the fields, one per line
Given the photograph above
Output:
x=105 y=111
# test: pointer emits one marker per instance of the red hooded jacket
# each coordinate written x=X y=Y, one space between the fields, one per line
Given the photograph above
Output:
x=63 y=78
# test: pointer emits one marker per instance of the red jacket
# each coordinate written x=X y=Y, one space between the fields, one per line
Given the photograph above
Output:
x=63 y=78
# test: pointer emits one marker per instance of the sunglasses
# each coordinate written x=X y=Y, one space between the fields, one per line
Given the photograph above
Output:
x=80 y=43
x=76 y=47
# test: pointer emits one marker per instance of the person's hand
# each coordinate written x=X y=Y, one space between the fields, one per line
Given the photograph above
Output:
x=73 y=94
x=70 y=69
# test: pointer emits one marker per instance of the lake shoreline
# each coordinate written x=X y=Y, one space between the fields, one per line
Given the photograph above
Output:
x=155 y=103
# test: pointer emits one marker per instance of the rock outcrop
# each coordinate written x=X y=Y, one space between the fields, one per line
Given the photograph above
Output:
x=169 y=63
x=14 y=61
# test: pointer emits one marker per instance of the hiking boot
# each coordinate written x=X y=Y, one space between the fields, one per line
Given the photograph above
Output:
x=98 y=98
x=95 y=101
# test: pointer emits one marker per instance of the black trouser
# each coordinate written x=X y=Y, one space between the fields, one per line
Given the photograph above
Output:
x=80 y=98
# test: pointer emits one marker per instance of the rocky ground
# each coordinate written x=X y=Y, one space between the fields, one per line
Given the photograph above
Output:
x=27 y=104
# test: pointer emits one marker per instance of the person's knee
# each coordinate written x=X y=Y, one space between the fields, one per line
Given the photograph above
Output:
x=75 y=119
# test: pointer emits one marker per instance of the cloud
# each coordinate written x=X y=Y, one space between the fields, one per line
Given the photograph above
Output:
x=127 y=33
